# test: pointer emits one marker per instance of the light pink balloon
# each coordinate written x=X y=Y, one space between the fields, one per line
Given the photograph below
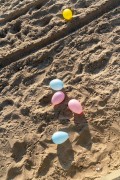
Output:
x=57 y=98
x=75 y=106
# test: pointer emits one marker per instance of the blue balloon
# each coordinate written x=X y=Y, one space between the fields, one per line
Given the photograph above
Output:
x=56 y=84
x=60 y=137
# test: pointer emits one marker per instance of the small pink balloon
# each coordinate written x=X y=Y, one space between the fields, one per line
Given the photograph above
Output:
x=57 y=98
x=75 y=106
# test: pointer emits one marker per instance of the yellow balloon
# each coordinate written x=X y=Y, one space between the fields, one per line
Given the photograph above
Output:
x=67 y=14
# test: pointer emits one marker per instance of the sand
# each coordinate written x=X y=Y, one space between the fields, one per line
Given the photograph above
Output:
x=36 y=46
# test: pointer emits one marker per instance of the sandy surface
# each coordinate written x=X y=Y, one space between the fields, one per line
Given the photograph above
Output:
x=36 y=46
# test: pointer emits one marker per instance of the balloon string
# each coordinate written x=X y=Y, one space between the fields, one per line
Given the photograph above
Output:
x=76 y=15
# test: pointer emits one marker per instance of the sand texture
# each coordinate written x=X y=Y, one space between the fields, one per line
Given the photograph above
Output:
x=38 y=45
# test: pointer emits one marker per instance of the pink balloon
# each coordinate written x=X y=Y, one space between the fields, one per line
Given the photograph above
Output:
x=75 y=106
x=57 y=98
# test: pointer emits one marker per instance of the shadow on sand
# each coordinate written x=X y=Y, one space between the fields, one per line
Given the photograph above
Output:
x=65 y=154
x=82 y=128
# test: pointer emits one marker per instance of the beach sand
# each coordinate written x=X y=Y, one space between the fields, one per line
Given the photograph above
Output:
x=36 y=46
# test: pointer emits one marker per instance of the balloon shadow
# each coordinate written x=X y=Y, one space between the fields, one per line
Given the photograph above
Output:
x=62 y=111
x=82 y=128
x=65 y=154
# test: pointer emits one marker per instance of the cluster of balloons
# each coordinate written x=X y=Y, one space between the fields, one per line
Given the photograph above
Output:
x=74 y=105
x=57 y=85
